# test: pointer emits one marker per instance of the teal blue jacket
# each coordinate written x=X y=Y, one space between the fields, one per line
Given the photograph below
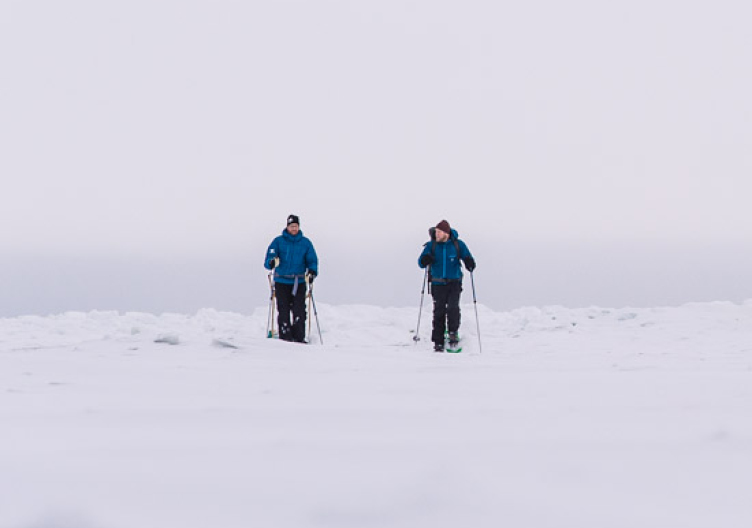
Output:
x=296 y=256
x=446 y=263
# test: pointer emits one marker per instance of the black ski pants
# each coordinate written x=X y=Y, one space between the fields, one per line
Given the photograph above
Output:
x=287 y=304
x=446 y=309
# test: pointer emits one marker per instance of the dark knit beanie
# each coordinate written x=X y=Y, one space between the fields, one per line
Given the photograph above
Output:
x=444 y=226
x=292 y=219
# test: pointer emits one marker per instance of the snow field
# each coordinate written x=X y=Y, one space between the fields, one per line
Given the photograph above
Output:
x=569 y=418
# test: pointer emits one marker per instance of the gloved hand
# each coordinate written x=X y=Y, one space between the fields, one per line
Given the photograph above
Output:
x=426 y=260
x=311 y=276
x=273 y=263
x=469 y=264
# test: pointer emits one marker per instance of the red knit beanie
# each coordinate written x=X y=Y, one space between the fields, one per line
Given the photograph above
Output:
x=444 y=226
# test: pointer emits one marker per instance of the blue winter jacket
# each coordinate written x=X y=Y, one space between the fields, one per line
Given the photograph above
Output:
x=446 y=263
x=296 y=255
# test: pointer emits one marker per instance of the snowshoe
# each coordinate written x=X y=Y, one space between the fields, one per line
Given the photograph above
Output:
x=454 y=343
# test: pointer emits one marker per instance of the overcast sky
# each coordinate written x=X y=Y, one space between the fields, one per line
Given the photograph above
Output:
x=588 y=152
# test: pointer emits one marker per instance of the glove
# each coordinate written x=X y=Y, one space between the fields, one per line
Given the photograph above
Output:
x=273 y=263
x=426 y=260
x=469 y=264
x=311 y=276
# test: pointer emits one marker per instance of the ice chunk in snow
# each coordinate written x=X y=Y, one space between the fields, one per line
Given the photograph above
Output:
x=170 y=339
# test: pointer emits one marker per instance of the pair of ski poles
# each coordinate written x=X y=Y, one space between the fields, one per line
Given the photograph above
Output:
x=416 y=337
x=311 y=302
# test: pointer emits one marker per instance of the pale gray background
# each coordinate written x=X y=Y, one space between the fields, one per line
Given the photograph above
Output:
x=588 y=152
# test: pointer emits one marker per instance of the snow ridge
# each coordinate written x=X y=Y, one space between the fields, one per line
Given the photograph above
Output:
x=372 y=326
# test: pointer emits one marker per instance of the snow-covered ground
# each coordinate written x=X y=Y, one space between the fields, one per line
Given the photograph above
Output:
x=602 y=418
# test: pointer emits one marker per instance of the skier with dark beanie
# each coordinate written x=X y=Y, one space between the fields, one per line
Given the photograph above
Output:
x=291 y=255
x=442 y=255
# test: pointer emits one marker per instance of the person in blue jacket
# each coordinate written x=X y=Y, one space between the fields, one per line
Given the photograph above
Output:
x=291 y=255
x=442 y=256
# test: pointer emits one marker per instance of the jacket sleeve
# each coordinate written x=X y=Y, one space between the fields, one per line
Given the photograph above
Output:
x=426 y=251
x=464 y=251
x=271 y=252
x=312 y=259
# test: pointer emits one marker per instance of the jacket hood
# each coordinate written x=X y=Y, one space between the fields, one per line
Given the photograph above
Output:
x=292 y=238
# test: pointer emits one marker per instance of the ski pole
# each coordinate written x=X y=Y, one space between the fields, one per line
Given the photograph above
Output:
x=416 y=337
x=310 y=323
x=475 y=304
x=316 y=315
x=270 y=317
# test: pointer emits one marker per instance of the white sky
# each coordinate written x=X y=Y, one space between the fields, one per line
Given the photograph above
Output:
x=180 y=129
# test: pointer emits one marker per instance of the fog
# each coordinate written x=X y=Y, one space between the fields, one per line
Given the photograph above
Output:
x=588 y=153
x=509 y=277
